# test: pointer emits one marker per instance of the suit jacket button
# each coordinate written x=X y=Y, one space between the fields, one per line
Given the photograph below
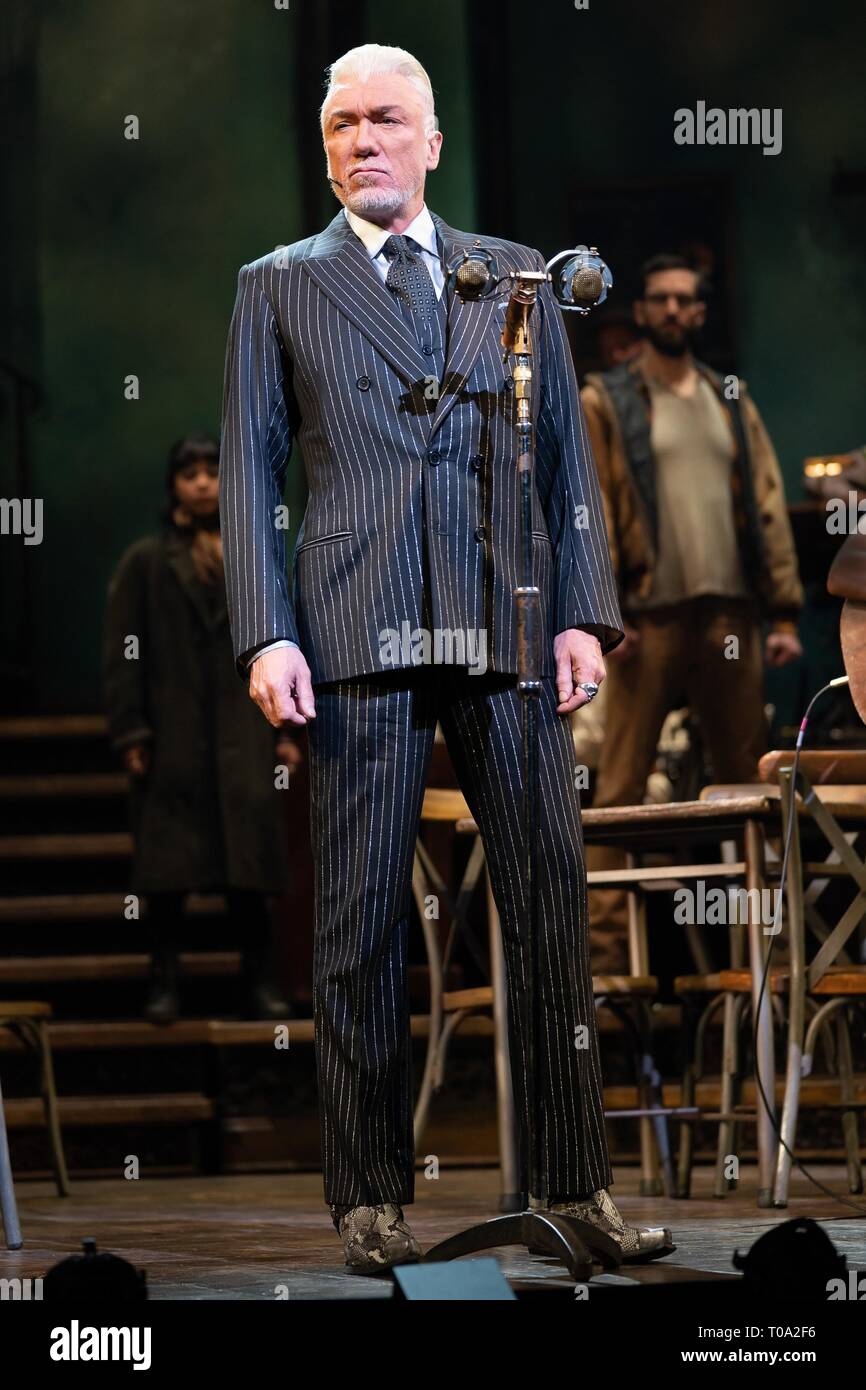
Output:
x=480 y=533
x=477 y=461
x=363 y=383
x=434 y=456
x=509 y=383
x=427 y=350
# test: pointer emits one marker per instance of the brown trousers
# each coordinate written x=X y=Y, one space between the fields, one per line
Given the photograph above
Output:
x=685 y=648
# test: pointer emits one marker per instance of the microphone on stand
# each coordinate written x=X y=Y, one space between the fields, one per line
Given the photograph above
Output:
x=580 y=282
x=472 y=274
x=582 y=279
x=587 y=286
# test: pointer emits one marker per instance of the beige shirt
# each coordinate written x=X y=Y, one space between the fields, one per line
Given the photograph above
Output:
x=694 y=452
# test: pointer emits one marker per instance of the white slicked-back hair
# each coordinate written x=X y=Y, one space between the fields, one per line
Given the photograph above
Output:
x=379 y=60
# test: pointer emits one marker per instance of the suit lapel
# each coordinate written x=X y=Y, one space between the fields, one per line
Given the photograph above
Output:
x=342 y=269
x=469 y=324
x=340 y=266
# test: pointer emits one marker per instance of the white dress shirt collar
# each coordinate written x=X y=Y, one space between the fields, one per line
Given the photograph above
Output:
x=421 y=229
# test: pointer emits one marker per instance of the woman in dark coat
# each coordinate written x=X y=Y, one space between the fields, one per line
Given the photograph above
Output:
x=203 y=763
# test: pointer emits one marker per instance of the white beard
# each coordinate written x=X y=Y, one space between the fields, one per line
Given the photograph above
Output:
x=372 y=199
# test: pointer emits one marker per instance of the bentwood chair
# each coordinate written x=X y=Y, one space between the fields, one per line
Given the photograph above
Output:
x=26 y=1020
x=833 y=983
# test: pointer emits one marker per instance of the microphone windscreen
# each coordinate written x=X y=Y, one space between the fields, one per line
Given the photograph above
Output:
x=472 y=277
x=586 y=286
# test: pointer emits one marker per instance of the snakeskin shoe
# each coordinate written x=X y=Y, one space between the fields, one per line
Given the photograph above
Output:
x=375 y=1238
x=637 y=1243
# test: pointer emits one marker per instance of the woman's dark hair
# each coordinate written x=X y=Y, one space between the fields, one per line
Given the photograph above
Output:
x=183 y=451
x=190 y=447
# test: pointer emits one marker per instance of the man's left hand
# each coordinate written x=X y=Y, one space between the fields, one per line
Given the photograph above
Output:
x=578 y=658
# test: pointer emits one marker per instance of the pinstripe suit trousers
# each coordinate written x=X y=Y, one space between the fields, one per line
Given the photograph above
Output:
x=370 y=747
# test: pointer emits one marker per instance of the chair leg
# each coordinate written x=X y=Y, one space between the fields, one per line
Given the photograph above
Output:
x=650 y=1179
x=846 y=1087
x=796 y=997
x=790 y=1111
x=652 y=1184
x=52 y=1115
x=727 y=1097
x=8 y=1208
x=741 y=1013
x=685 y=1157
x=693 y=1041
x=653 y=1099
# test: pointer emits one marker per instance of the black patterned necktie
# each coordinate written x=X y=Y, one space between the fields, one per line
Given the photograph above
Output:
x=410 y=281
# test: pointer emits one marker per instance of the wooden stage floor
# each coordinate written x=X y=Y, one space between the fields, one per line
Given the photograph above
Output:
x=242 y=1237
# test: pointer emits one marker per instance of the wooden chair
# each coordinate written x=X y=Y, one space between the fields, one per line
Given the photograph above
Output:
x=679 y=828
x=26 y=1019
x=831 y=982
x=836 y=803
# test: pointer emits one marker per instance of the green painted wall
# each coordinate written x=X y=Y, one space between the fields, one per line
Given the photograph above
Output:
x=139 y=242
x=615 y=79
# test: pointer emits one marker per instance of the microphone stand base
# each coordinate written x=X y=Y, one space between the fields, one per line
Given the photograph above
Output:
x=577 y=1244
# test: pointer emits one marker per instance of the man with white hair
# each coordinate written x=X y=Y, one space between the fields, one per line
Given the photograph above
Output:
x=351 y=343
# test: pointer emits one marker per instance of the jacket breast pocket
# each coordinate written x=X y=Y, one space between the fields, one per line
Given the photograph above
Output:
x=330 y=539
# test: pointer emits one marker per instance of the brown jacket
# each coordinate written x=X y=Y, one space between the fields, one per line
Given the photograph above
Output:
x=631 y=543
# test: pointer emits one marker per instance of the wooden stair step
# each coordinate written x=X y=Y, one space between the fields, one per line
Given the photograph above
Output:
x=815 y=1092
x=95 y=845
x=44 y=726
x=75 y=907
x=242 y=1033
x=24 y=1008
x=116 y=1034
x=51 y=786
x=129 y=966
x=191 y=1107
x=83 y=1036
x=89 y=1111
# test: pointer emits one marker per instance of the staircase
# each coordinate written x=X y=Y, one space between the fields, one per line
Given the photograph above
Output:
x=125 y=1085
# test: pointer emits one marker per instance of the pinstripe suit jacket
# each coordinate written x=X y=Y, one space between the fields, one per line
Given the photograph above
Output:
x=320 y=355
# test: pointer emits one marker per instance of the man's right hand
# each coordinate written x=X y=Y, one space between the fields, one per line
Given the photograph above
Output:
x=281 y=686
